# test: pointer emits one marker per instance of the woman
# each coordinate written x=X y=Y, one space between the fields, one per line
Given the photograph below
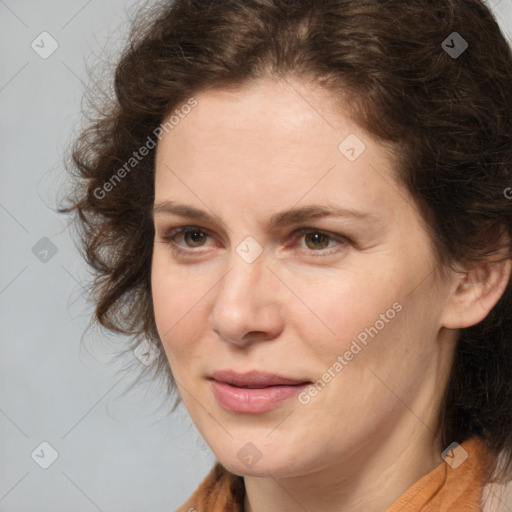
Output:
x=304 y=205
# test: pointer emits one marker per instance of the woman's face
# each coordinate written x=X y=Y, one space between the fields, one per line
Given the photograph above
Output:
x=302 y=270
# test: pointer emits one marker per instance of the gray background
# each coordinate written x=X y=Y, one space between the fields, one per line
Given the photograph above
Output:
x=117 y=451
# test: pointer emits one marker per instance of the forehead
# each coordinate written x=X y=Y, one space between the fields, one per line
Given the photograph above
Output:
x=270 y=145
x=273 y=115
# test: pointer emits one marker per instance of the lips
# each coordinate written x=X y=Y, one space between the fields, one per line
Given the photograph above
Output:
x=253 y=392
x=255 y=380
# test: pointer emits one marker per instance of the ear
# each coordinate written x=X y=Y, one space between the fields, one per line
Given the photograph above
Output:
x=475 y=293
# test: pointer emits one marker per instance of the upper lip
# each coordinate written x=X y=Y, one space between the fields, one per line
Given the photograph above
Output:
x=255 y=379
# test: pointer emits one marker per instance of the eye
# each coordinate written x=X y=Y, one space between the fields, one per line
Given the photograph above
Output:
x=315 y=241
x=194 y=238
x=184 y=238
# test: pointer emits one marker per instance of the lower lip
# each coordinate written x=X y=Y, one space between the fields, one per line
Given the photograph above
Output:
x=252 y=400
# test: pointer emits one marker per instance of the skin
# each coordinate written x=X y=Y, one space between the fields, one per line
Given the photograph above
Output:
x=243 y=155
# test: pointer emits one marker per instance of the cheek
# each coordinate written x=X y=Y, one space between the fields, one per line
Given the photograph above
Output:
x=329 y=313
x=180 y=304
x=380 y=345
x=344 y=308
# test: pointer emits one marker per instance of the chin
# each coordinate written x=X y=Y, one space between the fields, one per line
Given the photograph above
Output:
x=261 y=459
x=261 y=468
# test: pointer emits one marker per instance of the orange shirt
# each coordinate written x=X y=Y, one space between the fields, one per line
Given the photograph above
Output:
x=453 y=486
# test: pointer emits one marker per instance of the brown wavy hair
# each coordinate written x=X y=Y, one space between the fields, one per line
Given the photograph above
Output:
x=448 y=119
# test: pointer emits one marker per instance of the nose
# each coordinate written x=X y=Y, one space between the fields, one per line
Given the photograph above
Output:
x=247 y=306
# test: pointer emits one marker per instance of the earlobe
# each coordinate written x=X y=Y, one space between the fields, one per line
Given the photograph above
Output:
x=476 y=292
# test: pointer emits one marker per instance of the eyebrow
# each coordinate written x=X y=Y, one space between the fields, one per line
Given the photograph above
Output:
x=287 y=217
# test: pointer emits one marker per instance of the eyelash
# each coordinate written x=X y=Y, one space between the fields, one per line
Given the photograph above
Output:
x=169 y=239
